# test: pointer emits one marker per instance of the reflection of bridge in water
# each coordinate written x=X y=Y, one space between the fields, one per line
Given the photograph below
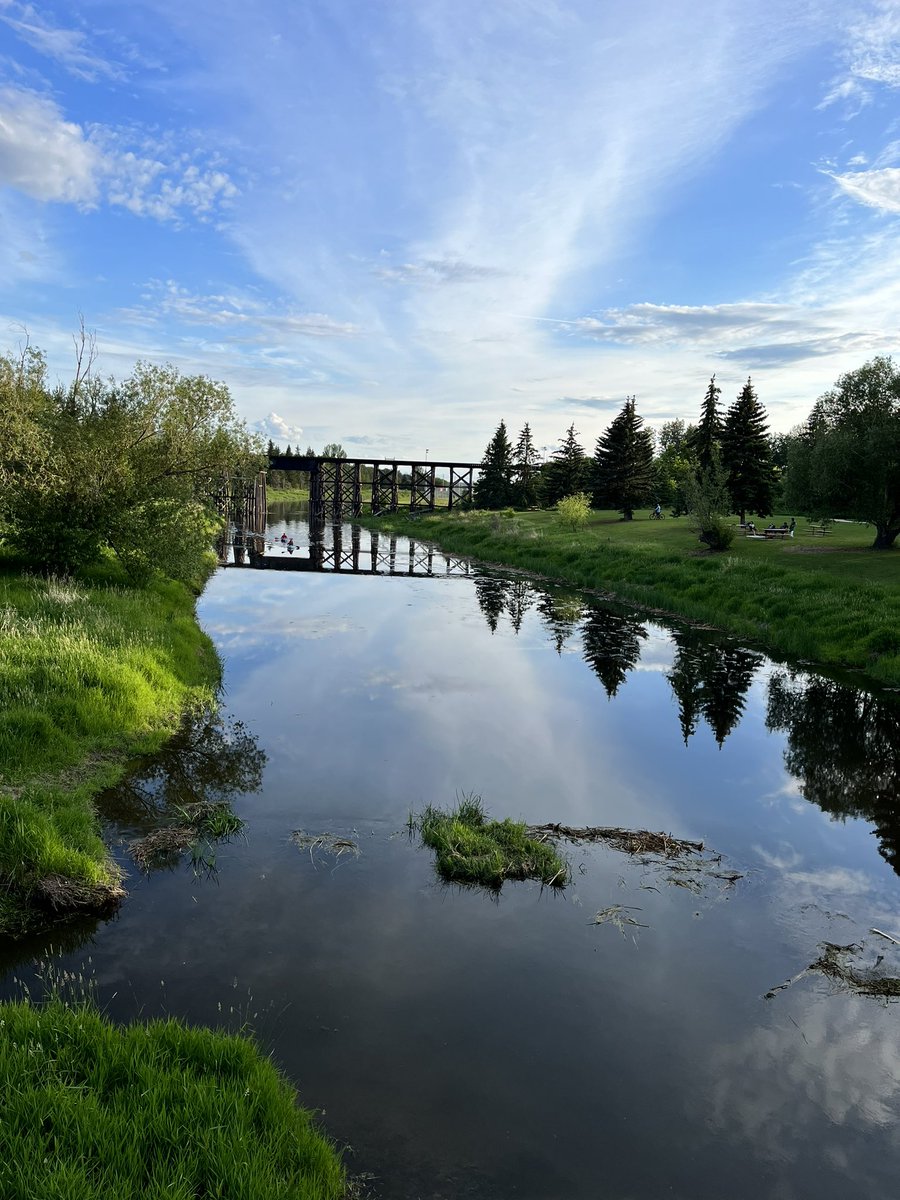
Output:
x=385 y=554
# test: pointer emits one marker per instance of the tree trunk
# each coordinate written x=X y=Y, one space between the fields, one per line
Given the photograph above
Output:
x=627 y=514
x=885 y=536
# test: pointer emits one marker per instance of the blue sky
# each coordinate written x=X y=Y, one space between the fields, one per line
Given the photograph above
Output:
x=390 y=224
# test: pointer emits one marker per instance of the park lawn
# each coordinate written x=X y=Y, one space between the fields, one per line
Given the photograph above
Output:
x=93 y=672
x=826 y=599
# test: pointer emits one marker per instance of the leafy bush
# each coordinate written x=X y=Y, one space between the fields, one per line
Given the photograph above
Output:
x=574 y=510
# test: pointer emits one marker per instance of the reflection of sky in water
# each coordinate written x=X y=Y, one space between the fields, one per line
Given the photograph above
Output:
x=472 y=1047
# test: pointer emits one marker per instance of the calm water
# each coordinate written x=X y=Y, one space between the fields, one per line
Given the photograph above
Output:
x=466 y=1045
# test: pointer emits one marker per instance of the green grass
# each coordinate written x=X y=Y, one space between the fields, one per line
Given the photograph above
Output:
x=470 y=849
x=92 y=1111
x=831 y=600
x=93 y=672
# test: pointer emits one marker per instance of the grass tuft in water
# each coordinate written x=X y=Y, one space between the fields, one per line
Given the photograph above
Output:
x=471 y=849
x=96 y=1111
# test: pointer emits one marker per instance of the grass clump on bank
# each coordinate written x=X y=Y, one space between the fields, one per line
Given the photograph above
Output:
x=100 y=1112
x=828 y=599
x=93 y=671
x=471 y=849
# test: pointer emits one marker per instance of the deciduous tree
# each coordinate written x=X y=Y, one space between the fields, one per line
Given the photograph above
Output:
x=846 y=461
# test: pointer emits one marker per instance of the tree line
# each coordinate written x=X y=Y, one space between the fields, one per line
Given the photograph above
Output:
x=844 y=461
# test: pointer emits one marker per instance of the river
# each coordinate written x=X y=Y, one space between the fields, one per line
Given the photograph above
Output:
x=463 y=1043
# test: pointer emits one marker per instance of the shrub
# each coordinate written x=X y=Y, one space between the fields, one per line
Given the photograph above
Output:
x=574 y=510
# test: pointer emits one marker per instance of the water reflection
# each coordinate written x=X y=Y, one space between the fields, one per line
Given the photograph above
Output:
x=710 y=680
x=612 y=645
x=843 y=745
x=209 y=762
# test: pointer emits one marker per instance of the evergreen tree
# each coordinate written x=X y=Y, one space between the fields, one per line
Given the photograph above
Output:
x=566 y=473
x=526 y=463
x=491 y=592
x=746 y=455
x=561 y=613
x=623 y=463
x=494 y=486
x=707 y=436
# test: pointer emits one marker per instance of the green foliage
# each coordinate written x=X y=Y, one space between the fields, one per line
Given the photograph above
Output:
x=574 y=510
x=707 y=501
x=527 y=466
x=471 y=849
x=494 y=487
x=623 y=463
x=128 y=466
x=706 y=439
x=746 y=455
x=846 y=460
x=567 y=471
x=100 y=1112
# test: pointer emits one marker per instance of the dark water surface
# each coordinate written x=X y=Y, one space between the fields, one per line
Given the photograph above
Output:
x=466 y=1045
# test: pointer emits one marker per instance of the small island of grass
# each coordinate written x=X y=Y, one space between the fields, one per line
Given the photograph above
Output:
x=471 y=849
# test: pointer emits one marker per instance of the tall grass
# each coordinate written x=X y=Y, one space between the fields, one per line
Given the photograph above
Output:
x=829 y=600
x=91 y=1111
x=471 y=849
x=91 y=673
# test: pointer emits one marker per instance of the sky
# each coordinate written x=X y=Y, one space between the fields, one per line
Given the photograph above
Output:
x=391 y=224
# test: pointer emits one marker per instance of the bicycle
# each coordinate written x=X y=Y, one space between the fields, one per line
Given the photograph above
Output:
x=657 y=516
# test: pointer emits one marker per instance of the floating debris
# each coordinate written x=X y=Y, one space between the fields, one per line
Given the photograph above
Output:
x=835 y=963
x=618 y=915
x=326 y=845
x=202 y=823
x=162 y=846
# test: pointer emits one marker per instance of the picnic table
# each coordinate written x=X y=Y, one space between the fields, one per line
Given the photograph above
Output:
x=781 y=532
x=818 y=530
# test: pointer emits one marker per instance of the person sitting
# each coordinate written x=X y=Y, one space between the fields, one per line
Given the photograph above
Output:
x=751 y=527
x=284 y=537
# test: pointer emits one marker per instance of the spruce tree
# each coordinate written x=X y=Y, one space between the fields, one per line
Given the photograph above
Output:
x=623 y=463
x=494 y=486
x=747 y=456
x=526 y=463
x=707 y=436
x=566 y=473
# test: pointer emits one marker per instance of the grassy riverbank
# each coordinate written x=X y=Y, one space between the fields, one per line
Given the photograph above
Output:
x=96 y=1111
x=93 y=672
x=828 y=599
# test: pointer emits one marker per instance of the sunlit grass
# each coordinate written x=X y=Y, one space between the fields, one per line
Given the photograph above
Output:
x=471 y=849
x=98 y=1112
x=826 y=599
x=91 y=673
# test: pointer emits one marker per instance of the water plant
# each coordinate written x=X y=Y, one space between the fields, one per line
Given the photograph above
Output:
x=471 y=849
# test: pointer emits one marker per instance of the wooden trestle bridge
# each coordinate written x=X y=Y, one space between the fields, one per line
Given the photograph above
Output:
x=338 y=489
x=346 y=555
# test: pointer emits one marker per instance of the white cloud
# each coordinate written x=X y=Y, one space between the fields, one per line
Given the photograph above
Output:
x=278 y=429
x=68 y=47
x=50 y=158
x=42 y=154
x=877 y=188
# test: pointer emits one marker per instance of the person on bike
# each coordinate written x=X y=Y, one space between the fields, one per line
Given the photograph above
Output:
x=657 y=512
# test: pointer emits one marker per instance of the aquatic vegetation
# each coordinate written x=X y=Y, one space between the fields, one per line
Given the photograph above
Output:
x=471 y=849
x=97 y=1111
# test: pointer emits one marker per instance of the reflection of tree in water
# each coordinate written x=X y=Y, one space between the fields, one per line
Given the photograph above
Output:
x=710 y=680
x=612 y=645
x=843 y=745
x=561 y=613
x=210 y=760
x=519 y=600
x=492 y=593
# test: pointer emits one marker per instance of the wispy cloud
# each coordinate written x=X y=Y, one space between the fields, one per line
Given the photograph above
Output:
x=69 y=47
x=877 y=189
x=43 y=155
